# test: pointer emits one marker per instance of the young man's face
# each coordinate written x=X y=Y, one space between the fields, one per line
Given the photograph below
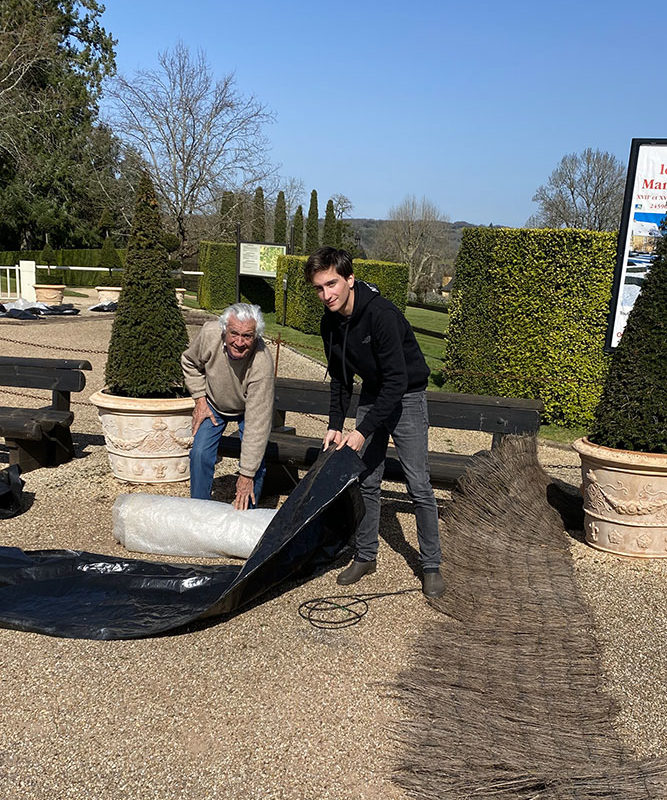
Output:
x=239 y=337
x=335 y=291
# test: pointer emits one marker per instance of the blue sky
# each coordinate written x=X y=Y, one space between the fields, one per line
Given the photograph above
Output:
x=470 y=104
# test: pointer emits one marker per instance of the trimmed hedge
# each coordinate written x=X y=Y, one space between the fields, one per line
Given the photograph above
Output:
x=217 y=286
x=304 y=309
x=528 y=317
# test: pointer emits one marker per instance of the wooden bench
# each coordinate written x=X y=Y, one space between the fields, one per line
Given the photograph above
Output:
x=496 y=415
x=40 y=437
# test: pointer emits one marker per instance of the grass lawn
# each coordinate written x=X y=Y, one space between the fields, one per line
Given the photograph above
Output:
x=557 y=433
x=431 y=320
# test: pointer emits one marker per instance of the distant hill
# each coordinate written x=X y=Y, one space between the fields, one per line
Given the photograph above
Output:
x=368 y=230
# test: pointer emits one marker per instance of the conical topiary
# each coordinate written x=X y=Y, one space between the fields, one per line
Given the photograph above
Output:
x=632 y=414
x=48 y=256
x=109 y=258
x=148 y=333
x=110 y=261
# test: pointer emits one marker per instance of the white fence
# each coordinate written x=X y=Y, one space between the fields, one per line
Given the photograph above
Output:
x=18 y=281
x=10 y=283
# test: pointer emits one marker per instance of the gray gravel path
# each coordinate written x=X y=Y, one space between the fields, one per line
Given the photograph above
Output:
x=262 y=706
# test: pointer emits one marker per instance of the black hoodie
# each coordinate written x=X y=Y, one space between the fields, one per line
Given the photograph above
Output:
x=375 y=342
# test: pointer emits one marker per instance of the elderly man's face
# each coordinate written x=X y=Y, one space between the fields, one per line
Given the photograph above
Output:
x=239 y=337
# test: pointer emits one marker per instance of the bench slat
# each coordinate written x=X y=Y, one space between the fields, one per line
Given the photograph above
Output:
x=302 y=451
x=461 y=411
x=34 y=377
x=49 y=363
x=31 y=423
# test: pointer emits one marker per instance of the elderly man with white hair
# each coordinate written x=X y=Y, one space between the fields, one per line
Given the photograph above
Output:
x=229 y=372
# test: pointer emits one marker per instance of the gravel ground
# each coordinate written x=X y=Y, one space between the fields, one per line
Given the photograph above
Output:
x=262 y=705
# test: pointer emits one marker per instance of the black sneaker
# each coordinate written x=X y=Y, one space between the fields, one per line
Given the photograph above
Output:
x=433 y=585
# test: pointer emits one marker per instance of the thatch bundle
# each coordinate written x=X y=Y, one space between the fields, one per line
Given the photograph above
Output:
x=506 y=697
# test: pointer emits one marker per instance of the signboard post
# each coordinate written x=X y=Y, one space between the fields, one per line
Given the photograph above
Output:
x=238 y=262
x=644 y=210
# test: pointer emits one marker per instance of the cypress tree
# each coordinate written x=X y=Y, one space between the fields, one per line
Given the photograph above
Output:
x=329 y=232
x=280 y=223
x=339 y=233
x=312 y=225
x=259 y=216
x=148 y=333
x=632 y=413
x=298 y=231
x=240 y=217
x=227 y=217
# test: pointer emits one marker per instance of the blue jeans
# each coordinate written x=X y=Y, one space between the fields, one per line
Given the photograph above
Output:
x=408 y=427
x=203 y=456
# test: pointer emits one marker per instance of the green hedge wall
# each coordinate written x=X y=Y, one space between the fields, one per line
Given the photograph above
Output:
x=217 y=286
x=528 y=317
x=304 y=309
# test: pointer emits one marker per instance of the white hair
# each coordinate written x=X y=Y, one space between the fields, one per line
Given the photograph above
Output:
x=243 y=312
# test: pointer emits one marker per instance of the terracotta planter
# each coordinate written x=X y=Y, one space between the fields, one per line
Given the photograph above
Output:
x=625 y=500
x=148 y=440
x=49 y=293
x=180 y=295
x=108 y=294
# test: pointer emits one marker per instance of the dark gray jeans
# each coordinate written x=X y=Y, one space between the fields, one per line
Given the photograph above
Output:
x=408 y=427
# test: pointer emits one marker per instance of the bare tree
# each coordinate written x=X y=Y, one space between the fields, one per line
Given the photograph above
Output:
x=414 y=235
x=584 y=191
x=342 y=205
x=295 y=191
x=199 y=136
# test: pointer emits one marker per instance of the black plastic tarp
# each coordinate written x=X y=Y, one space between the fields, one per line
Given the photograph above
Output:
x=90 y=596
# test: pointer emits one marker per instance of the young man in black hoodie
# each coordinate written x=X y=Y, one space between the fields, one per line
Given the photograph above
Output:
x=365 y=334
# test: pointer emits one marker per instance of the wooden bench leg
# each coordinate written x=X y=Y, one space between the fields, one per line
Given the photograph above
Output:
x=54 y=448
x=60 y=447
x=281 y=478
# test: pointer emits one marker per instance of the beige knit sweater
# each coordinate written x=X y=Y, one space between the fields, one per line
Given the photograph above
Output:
x=243 y=386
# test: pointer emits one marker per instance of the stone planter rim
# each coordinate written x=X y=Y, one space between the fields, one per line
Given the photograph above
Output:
x=105 y=399
x=637 y=458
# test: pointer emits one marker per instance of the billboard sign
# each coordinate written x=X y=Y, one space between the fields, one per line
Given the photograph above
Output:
x=644 y=209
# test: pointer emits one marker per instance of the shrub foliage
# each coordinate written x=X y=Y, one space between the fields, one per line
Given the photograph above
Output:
x=304 y=309
x=632 y=414
x=148 y=333
x=528 y=317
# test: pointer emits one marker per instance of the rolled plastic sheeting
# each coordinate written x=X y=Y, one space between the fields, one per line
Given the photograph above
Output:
x=181 y=526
